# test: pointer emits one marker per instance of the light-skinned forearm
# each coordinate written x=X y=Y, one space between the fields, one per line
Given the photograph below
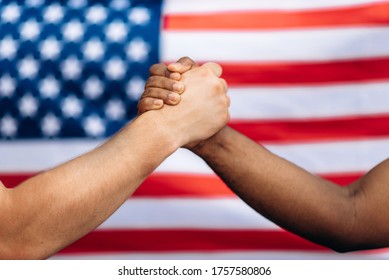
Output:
x=57 y=207
x=343 y=219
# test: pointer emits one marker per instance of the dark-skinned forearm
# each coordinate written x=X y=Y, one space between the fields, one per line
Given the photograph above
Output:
x=288 y=195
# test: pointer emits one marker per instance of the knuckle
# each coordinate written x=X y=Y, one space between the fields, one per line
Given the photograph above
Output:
x=187 y=60
x=146 y=92
x=228 y=101
x=218 y=86
x=224 y=82
x=151 y=81
x=155 y=68
x=206 y=73
x=148 y=83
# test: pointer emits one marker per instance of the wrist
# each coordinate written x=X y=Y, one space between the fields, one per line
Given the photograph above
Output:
x=209 y=145
x=164 y=132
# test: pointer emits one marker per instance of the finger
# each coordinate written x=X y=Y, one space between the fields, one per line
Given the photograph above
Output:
x=168 y=97
x=182 y=65
x=165 y=83
x=160 y=69
x=149 y=103
x=214 y=67
x=175 y=76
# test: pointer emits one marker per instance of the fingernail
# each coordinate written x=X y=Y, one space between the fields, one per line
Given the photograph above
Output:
x=177 y=87
x=173 y=96
x=175 y=76
x=157 y=102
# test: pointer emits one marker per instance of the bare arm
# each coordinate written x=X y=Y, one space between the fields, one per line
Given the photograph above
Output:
x=57 y=207
x=344 y=219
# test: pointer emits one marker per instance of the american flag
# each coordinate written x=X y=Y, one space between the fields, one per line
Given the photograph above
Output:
x=308 y=80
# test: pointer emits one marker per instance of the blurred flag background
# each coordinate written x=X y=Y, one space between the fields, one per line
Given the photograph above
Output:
x=308 y=79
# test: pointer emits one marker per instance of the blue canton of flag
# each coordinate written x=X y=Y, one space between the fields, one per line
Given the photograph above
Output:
x=73 y=68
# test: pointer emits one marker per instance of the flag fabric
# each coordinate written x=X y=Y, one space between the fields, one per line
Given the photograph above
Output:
x=309 y=80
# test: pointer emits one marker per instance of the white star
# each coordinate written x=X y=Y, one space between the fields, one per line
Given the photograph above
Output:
x=93 y=50
x=119 y=4
x=28 y=68
x=11 y=13
x=137 y=50
x=30 y=30
x=53 y=13
x=76 y=4
x=7 y=86
x=49 y=87
x=28 y=105
x=139 y=16
x=73 y=31
x=50 y=125
x=93 y=88
x=8 y=126
x=135 y=88
x=94 y=126
x=115 y=109
x=71 y=68
x=50 y=49
x=115 y=69
x=8 y=47
x=116 y=31
x=71 y=107
x=34 y=3
x=96 y=14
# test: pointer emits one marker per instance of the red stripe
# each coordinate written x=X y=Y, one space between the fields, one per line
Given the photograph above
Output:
x=367 y=15
x=245 y=74
x=184 y=185
x=343 y=179
x=136 y=241
x=11 y=180
x=287 y=131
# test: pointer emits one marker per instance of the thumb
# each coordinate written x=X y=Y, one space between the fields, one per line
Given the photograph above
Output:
x=182 y=65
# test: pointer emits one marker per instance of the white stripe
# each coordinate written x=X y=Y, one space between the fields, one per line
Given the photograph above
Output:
x=322 y=158
x=205 y=6
x=230 y=255
x=335 y=157
x=35 y=155
x=229 y=213
x=309 y=102
x=268 y=46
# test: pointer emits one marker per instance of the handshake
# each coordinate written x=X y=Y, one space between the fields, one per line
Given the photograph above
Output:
x=203 y=108
x=79 y=195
